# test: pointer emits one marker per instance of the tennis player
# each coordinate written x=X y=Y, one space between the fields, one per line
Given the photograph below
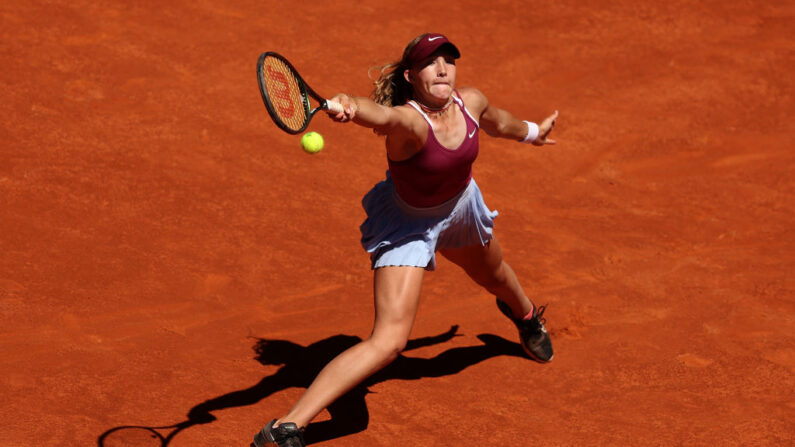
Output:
x=428 y=203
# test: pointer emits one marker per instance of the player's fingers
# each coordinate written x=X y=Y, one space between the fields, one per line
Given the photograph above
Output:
x=551 y=119
x=543 y=140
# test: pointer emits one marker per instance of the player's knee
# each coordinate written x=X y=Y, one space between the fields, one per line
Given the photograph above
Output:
x=389 y=349
x=393 y=349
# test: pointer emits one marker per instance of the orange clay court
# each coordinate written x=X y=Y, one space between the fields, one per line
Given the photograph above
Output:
x=175 y=269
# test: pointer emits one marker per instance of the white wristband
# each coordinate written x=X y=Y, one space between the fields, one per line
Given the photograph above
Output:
x=532 y=132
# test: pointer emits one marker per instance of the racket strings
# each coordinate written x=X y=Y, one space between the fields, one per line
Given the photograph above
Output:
x=286 y=95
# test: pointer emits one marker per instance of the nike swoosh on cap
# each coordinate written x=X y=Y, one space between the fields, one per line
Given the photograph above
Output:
x=431 y=39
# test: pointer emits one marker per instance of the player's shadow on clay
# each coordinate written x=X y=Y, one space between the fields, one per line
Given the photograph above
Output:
x=349 y=413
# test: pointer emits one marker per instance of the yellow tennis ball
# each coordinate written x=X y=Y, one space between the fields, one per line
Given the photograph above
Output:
x=312 y=142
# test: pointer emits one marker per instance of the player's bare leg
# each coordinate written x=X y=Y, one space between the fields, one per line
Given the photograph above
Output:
x=397 y=293
x=485 y=265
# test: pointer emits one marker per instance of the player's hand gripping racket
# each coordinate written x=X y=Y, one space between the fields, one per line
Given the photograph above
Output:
x=286 y=94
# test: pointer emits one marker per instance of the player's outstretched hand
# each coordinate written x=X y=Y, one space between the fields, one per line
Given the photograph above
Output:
x=349 y=108
x=544 y=129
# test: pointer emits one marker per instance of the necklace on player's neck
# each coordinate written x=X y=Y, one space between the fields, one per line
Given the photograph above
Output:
x=436 y=110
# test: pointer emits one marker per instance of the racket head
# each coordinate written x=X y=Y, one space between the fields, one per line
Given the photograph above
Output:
x=284 y=92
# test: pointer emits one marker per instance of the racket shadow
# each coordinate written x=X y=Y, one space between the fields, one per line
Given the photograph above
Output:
x=140 y=435
x=349 y=414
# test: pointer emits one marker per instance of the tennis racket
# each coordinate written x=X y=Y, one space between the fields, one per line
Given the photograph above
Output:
x=286 y=94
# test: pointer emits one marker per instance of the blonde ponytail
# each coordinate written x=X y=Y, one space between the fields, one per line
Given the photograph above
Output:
x=391 y=88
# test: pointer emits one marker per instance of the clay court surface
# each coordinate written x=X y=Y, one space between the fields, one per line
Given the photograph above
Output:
x=157 y=228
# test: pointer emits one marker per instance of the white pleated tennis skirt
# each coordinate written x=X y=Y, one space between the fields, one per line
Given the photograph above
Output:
x=398 y=234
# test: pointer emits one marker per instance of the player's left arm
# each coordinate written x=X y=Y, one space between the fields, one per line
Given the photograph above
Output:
x=500 y=123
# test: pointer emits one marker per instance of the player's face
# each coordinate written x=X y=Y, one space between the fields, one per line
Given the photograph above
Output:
x=433 y=78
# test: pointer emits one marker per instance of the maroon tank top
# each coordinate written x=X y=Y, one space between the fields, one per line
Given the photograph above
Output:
x=436 y=174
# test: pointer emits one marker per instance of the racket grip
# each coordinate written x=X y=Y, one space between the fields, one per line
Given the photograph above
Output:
x=333 y=106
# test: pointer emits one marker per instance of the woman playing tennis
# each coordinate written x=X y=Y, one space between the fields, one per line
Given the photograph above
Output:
x=427 y=203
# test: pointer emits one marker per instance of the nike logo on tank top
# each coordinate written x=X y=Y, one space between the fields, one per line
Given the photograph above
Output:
x=436 y=174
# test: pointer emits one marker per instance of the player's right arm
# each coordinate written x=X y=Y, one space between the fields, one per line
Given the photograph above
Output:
x=403 y=127
x=368 y=113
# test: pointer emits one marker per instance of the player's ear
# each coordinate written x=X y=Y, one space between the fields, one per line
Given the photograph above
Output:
x=407 y=75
